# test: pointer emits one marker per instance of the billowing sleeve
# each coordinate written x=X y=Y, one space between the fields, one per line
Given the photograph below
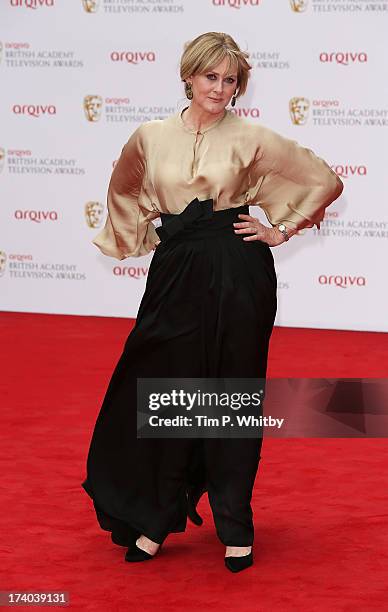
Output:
x=128 y=230
x=290 y=183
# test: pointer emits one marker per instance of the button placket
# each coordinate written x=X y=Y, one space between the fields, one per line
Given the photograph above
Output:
x=196 y=143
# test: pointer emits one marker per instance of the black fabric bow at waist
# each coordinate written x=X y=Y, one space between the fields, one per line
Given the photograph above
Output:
x=196 y=210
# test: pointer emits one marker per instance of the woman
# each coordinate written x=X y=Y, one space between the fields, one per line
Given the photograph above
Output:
x=210 y=298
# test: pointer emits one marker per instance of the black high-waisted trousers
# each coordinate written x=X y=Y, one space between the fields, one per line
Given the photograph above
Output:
x=207 y=311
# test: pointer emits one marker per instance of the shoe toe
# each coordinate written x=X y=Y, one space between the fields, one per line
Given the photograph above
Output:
x=237 y=564
x=137 y=554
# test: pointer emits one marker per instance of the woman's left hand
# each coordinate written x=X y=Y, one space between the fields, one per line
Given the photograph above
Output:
x=250 y=225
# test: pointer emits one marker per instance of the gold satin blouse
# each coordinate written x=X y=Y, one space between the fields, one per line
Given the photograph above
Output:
x=165 y=164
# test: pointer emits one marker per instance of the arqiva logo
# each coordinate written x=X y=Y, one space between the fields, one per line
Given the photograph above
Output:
x=34 y=110
x=236 y=3
x=343 y=281
x=131 y=271
x=37 y=215
x=21 y=257
x=32 y=4
x=253 y=113
x=133 y=57
x=343 y=58
x=346 y=171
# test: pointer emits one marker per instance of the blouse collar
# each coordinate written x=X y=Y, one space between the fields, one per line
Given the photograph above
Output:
x=202 y=131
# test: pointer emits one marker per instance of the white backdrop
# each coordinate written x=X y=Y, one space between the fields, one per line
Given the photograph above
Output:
x=55 y=163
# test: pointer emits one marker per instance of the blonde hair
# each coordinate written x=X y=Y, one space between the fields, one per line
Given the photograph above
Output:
x=209 y=49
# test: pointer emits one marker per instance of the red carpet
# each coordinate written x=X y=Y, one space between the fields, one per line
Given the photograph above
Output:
x=321 y=505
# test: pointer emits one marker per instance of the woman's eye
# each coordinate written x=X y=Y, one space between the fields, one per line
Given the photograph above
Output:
x=229 y=79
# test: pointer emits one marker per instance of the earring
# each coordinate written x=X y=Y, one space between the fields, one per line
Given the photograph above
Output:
x=189 y=91
x=233 y=102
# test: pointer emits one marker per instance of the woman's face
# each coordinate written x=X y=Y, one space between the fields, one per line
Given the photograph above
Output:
x=213 y=89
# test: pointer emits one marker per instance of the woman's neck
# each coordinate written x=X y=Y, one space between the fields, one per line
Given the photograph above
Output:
x=195 y=118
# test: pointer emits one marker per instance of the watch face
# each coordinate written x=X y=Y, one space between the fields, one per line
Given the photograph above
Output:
x=282 y=227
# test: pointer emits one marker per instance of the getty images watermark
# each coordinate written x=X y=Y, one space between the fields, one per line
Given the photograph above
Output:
x=236 y=408
x=202 y=408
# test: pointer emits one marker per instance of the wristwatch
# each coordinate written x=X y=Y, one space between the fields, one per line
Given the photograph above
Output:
x=283 y=228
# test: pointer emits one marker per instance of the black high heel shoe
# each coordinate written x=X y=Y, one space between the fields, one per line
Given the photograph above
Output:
x=134 y=553
x=237 y=564
x=193 y=497
x=124 y=535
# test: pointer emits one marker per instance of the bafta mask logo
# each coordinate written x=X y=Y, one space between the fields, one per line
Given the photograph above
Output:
x=2 y=159
x=91 y=6
x=3 y=261
x=93 y=107
x=299 y=6
x=93 y=214
x=299 y=110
